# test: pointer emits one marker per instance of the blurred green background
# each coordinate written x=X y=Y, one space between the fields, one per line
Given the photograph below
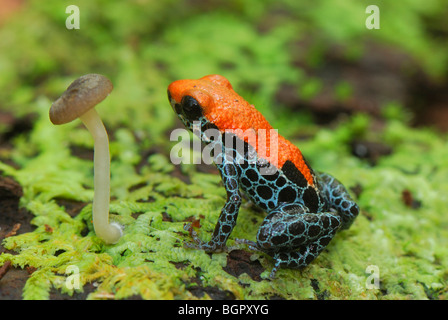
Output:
x=368 y=105
x=288 y=54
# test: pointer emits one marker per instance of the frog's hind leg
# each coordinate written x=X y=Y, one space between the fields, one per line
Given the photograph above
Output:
x=338 y=198
x=294 y=237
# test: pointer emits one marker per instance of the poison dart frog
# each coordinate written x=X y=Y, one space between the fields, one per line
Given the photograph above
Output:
x=304 y=208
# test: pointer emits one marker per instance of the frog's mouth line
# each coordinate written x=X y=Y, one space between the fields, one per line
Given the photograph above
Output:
x=176 y=107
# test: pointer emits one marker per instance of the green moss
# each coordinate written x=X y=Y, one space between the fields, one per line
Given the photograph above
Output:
x=405 y=244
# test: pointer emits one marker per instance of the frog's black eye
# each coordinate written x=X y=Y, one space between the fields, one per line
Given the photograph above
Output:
x=191 y=108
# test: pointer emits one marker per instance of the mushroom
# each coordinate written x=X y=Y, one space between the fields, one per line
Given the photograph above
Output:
x=78 y=101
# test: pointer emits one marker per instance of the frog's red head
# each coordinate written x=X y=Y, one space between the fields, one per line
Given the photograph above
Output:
x=192 y=99
x=213 y=98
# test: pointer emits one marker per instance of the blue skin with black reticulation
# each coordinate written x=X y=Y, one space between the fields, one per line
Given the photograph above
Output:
x=301 y=219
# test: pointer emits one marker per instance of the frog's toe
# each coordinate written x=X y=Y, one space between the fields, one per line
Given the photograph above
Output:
x=200 y=245
x=275 y=269
x=191 y=245
x=188 y=227
x=197 y=243
x=251 y=244
x=245 y=241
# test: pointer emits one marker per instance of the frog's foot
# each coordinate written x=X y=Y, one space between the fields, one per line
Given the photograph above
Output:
x=287 y=259
x=293 y=237
x=254 y=247
x=210 y=246
x=295 y=259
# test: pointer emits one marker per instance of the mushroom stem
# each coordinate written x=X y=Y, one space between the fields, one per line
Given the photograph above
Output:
x=110 y=233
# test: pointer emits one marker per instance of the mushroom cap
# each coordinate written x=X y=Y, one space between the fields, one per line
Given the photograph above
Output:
x=82 y=95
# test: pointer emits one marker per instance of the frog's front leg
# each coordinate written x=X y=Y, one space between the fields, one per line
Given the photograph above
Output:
x=293 y=236
x=229 y=213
